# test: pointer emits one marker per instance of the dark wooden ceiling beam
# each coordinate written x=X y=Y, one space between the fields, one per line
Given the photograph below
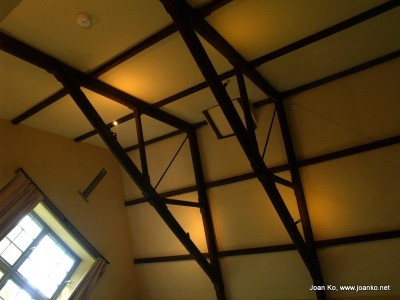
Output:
x=38 y=107
x=91 y=133
x=183 y=17
x=371 y=13
x=285 y=167
x=348 y=240
x=234 y=57
x=206 y=10
x=206 y=215
x=285 y=94
x=341 y=74
x=141 y=180
x=50 y=64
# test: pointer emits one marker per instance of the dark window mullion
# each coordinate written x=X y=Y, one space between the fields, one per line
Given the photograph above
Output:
x=24 y=284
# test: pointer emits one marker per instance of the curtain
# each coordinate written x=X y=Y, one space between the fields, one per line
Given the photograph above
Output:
x=17 y=199
x=89 y=281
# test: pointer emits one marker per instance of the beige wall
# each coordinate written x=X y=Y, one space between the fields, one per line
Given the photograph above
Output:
x=61 y=168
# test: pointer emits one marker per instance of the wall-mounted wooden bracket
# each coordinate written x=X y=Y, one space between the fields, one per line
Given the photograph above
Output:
x=93 y=184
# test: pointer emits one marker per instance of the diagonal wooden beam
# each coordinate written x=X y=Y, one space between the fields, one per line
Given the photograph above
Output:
x=238 y=61
x=141 y=180
x=50 y=64
x=231 y=54
x=183 y=18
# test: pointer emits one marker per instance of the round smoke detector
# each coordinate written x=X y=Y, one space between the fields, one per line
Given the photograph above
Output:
x=83 y=20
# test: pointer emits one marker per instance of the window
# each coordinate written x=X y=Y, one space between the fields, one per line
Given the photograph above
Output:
x=34 y=262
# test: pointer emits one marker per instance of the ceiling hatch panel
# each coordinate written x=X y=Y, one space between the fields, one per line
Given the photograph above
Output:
x=257 y=27
x=190 y=108
x=53 y=28
x=346 y=49
x=22 y=86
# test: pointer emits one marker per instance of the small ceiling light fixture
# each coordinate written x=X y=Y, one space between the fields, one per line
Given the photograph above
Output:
x=83 y=20
x=115 y=123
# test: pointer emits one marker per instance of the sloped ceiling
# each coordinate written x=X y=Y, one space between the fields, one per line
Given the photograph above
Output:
x=295 y=45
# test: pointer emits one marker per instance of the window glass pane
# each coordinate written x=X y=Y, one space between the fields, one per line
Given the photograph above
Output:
x=11 y=291
x=30 y=226
x=4 y=244
x=1 y=274
x=19 y=239
x=14 y=233
x=23 y=240
x=66 y=262
x=11 y=254
x=47 y=266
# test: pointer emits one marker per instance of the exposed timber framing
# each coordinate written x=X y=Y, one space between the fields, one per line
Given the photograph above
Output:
x=142 y=181
x=50 y=64
x=285 y=95
x=376 y=11
x=205 y=210
x=285 y=167
x=348 y=240
x=206 y=10
x=181 y=202
x=180 y=12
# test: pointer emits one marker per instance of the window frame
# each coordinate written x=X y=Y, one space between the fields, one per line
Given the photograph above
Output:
x=11 y=271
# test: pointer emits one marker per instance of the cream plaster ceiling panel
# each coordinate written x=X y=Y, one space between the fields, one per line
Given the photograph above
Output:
x=22 y=85
x=257 y=27
x=116 y=25
x=63 y=118
x=161 y=71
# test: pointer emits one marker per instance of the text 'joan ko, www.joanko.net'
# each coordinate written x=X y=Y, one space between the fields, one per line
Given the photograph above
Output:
x=354 y=288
